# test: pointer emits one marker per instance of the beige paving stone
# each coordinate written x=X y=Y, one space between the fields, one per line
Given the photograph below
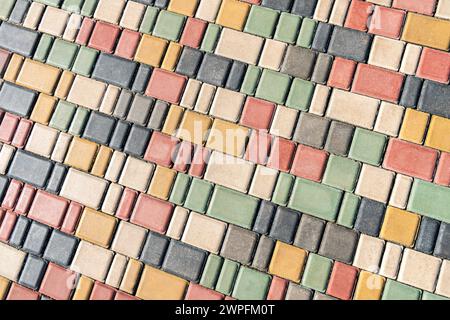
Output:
x=443 y=284
x=115 y=166
x=419 y=270
x=284 y=122
x=42 y=140
x=73 y=25
x=205 y=98
x=443 y=9
x=389 y=119
x=132 y=15
x=112 y=198
x=227 y=105
x=11 y=261
x=400 y=191
x=61 y=147
x=263 y=182
x=109 y=100
x=207 y=10
x=386 y=3
x=86 y=92
x=177 y=223
x=109 y=10
x=410 y=59
x=34 y=15
x=128 y=239
x=391 y=260
x=116 y=271
x=368 y=253
x=386 y=53
x=375 y=183
x=323 y=10
x=136 y=174
x=272 y=54
x=54 y=21
x=190 y=94
x=92 y=261
x=6 y=154
x=319 y=100
x=231 y=43
x=339 y=12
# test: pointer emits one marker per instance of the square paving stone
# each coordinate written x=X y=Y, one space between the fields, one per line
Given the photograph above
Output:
x=99 y=128
x=115 y=70
x=285 y=224
x=309 y=233
x=154 y=249
x=300 y=94
x=434 y=98
x=36 y=238
x=317 y=272
x=297 y=292
x=239 y=244
x=60 y=248
x=341 y=173
x=370 y=217
x=140 y=110
x=17 y=99
x=273 y=86
x=169 y=25
x=214 y=70
x=33 y=272
x=137 y=141
x=299 y=62
x=198 y=196
x=338 y=243
x=62 y=54
x=350 y=44
x=264 y=218
x=251 y=285
x=311 y=130
x=189 y=62
x=339 y=138
x=368 y=146
x=261 y=21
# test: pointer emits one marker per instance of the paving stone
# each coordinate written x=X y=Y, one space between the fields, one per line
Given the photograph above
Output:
x=60 y=248
x=251 y=284
x=304 y=8
x=297 y=292
x=189 y=62
x=309 y=233
x=339 y=138
x=311 y=130
x=263 y=253
x=214 y=70
x=322 y=37
x=198 y=195
x=119 y=135
x=322 y=68
x=338 y=243
x=154 y=249
x=36 y=238
x=123 y=104
x=56 y=178
x=99 y=128
x=62 y=54
x=264 y=219
x=20 y=231
x=282 y=5
x=341 y=173
x=137 y=141
x=284 y=224
x=211 y=271
x=239 y=244
x=394 y=290
x=367 y=146
x=140 y=110
x=114 y=70
x=442 y=247
x=30 y=168
x=411 y=91
x=227 y=277
x=300 y=94
x=434 y=98
x=317 y=272
x=427 y=235
x=18 y=39
x=261 y=21
x=17 y=99
x=32 y=272
x=19 y=11
x=350 y=44
x=4 y=182
x=370 y=217
x=236 y=76
x=291 y=63
x=159 y=113
x=141 y=79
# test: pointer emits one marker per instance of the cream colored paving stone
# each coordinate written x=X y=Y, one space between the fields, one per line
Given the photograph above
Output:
x=368 y=253
x=204 y=232
x=227 y=105
x=109 y=10
x=263 y=182
x=42 y=140
x=386 y=3
x=419 y=270
x=5 y=157
x=410 y=59
x=115 y=166
x=205 y=97
x=207 y=10
x=272 y=54
x=443 y=9
x=391 y=260
x=11 y=261
x=389 y=119
x=112 y=198
x=319 y=100
x=443 y=284
x=386 y=53
x=190 y=94
x=374 y=183
x=86 y=92
x=109 y=100
x=116 y=271
x=128 y=239
x=323 y=9
x=177 y=223
x=61 y=147
x=284 y=122
x=353 y=108
x=400 y=191
x=72 y=27
x=232 y=42
x=83 y=188
x=339 y=12
x=92 y=261
x=34 y=15
x=229 y=171
x=132 y=15
x=54 y=21
x=136 y=174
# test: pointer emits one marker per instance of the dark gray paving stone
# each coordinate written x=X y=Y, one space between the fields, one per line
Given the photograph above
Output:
x=56 y=178
x=322 y=68
x=322 y=37
x=189 y=62
x=36 y=238
x=297 y=292
x=99 y=128
x=4 y=183
x=154 y=249
x=120 y=134
x=263 y=253
x=123 y=104
x=442 y=248
x=18 y=39
x=20 y=231
x=236 y=76
x=147 y=2
x=161 y=3
x=411 y=91
x=309 y=233
x=30 y=168
x=184 y=260
x=304 y=8
x=137 y=140
x=370 y=217
x=33 y=272
x=16 y=99
x=264 y=218
x=339 y=138
x=19 y=11
x=239 y=244
x=299 y=62
x=338 y=243
x=435 y=98
x=311 y=130
x=427 y=235
x=158 y=116
x=214 y=70
x=285 y=224
x=140 y=109
x=282 y=5
x=142 y=77
x=350 y=44
x=60 y=248
x=114 y=70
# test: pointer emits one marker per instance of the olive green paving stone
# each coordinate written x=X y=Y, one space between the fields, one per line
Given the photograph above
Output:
x=89 y=7
x=367 y=146
x=233 y=207
x=180 y=189
x=79 y=121
x=227 y=276
x=348 y=210
x=43 y=48
x=85 y=60
x=431 y=296
x=288 y=28
x=251 y=284
x=62 y=116
x=394 y=290
x=273 y=86
x=283 y=189
x=261 y=21
x=6 y=8
x=315 y=198
x=306 y=34
x=317 y=272
x=341 y=173
x=251 y=79
x=210 y=39
x=62 y=54
x=72 y=5
x=148 y=22
x=211 y=271
x=54 y=3
x=168 y=25
x=430 y=200
x=198 y=196
x=300 y=94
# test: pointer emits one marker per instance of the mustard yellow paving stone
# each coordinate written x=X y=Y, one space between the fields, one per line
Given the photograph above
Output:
x=171 y=58
x=83 y=288
x=38 y=76
x=184 y=7
x=233 y=14
x=131 y=276
x=414 y=126
x=287 y=261
x=81 y=154
x=13 y=68
x=369 y=286
x=64 y=84
x=427 y=31
x=194 y=127
x=173 y=119
x=43 y=109
x=400 y=226
x=438 y=134
x=101 y=161
x=96 y=227
x=227 y=137
x=159 y=285
x=162 y=182
x=4 y=285
x=151 y=50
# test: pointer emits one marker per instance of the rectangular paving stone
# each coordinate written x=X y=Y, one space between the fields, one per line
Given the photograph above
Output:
x=114 y=70
x=154 y=249
x=350 y=44
x=211 y=271
x=434 y=98
x=32 y=272
x=60 y=248
x=17 y=99
x=30 y=168
x=18 y=39
x=338 y=243
x=227 y=277
x=20 y=231
x=264 y=217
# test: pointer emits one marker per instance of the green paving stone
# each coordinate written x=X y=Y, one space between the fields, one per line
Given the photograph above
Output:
x=85 y=60
x=261 y=21
x=62 y=54
x=54 y=3
x=211 y=271
x=251 y=79
x=306 y=34
x=43 y=48
x=148 y=22
x=288 y=28
x=341 y=173
x=349 y=210
x=180 y=189
x=283 y=189
x=169 y=25
x=89 y=7
x=233 y=207
x=251 y=284
x=430 y=200
x=227 y=277
x=367 y=146
x=62 y=116
x=79 y=121
x=394 y=290
x=317 y=272
x=198 y=196
x=72 y=5
x=431 y=296
x=315 y=198
x=6 y=8
x=300 y=94
x=210 y=39
x=273 y=86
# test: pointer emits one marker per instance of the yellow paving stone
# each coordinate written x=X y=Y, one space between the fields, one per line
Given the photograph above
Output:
x=64 y=84
x=131 y=276
x=81 y=154
x=438 y=134
x=83 y=288
x=4 y=286
x=162 y=182
x=96 y=227
x=151 y=50
x=427 y=31
x=194 y=127
x=173 y=119
x=101 y=161
x=38 y=76
x=400 y=226
x=369 y=287
x=227 y=137
x=43 y=109
x=233 y=14
x=171 y=57
x=184 y=7
x=15 y=63
x=287 y=261
x=159 y=285
x=414 y=126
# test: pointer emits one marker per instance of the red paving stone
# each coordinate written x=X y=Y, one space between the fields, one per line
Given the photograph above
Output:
x=434 y=65
x=358 y=15
x=85 y=31
x=58 y=282
x=442 y=176
x=152 y=213
x=309 y=163
x=128 y=43
x=165 y=85
x=281 y=154
x=8 y=127
x=102 y=291
x=184 y=156
x=161 y=148
x=17 y=292
x=26 y=198
x=341 y=75
x=104 y=36
x=197 y=292
x=193 y=32
x=72 y=217
x=198 y=165
x=126 y=204
x=12 y=194
x=7 y=226
x=342 y=281
x=420 y=6
x=257 y=114
x=277 y=290
x=387 y=22
x=22 y=132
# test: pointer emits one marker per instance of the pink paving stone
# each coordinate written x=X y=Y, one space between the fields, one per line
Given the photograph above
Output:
x=309 y=163
x=8 y=127
x=387 y=22
x=128 y=43
x=72 y=217
x=257 y=114
x=85 y=31
x=17 y=292
x=22 y=132
x=124 y=296
x=442 y=175
x=358 y=15
x=25 y=199
x=126 y=204
x=4 y=60
x=57 y=282
x=277 y=290
x=341 y=75
x=48 y=209
x=198 y=165
x=165 y=85
x=434 y=65
x=12 y=194
x=7 y=226
x=281 y=154
x=197 y=292
x=152 y=213
x=184 y=156
x=253 y=2
x=104 y=36
x=342 y=281
x=193 y=32
x=258 y=147
x=160 y=149
x=419 y=6
x=102 y=291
